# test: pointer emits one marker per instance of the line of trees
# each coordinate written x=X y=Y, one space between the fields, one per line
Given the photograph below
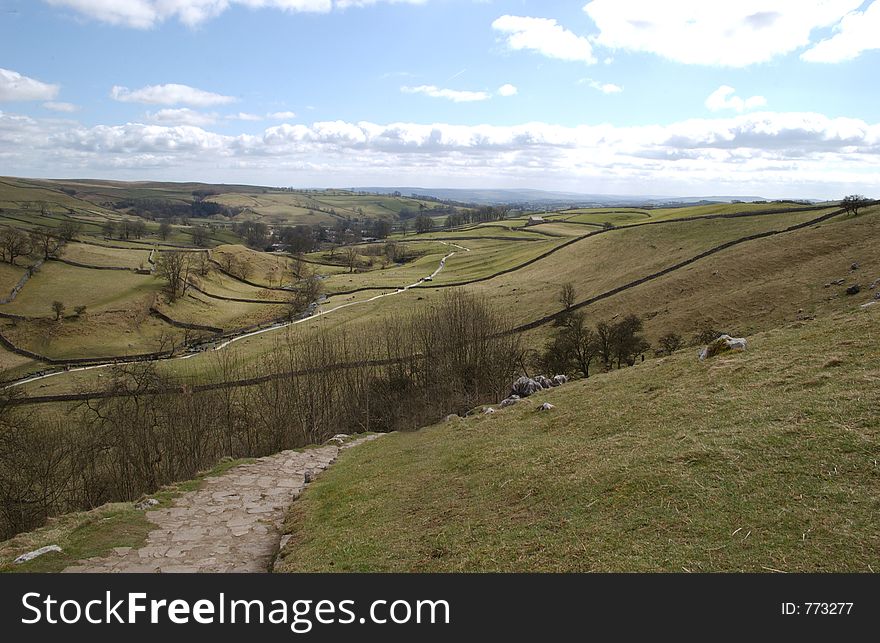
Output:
x=448 y=358
x=575 y=345
x=478 y=215
x=45 y=241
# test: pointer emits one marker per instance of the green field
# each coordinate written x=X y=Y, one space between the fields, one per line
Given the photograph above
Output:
x=757 y=271
x=762 y=461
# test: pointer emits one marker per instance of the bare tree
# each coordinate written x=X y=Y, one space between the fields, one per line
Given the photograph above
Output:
x=853 y=203
x=138 y=228
x=307 y=291
x=46 y=241
x=68 y=230
x=58 y=308
x=164 y=230
x=351 y=258
x=566 y=295
x=174 y=268
x=199 y=236
x=203 y=266
x=605 y=342
x=14 y=243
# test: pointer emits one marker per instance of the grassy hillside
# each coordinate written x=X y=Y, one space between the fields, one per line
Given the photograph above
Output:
x=760 y=461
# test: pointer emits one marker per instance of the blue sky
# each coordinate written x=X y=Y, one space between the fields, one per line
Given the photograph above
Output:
x=770 y=98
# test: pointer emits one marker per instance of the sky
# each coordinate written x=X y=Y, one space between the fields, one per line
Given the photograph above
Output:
x=772 y=98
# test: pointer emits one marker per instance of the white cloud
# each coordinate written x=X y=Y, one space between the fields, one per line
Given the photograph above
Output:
x=60 y=107
x=857 y=32
x=768 y=153
x=724 y=98
x=145 y=14
x=15 y=87
x=281 y=116
x=455 y=95
x=345 y=4
x=507 y=90
x=714 y=33
x=170 y=94
x=605 y=88
x=244 y=116
x=182 y=116
x=545 y=36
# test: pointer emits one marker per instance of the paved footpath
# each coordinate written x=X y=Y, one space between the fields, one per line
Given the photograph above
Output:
x=232 y=524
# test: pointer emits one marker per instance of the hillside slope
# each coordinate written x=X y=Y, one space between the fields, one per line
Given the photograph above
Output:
x=760 y=461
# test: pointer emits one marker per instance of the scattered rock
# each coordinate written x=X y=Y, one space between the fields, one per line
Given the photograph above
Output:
x=36 y=553
x=855 y=289
x=546 y=406
x=854 y=266
x=868 y=305
x=723 y=344
x=543 y=381
x=146 y=504
x=488 y=410
x=838 y=282
x=308 y=476
x=510 y=401
x=451 y=417
x=525 y=386
x=877 y=295
x=559 y=379
x=874 y=284
x=338 y=439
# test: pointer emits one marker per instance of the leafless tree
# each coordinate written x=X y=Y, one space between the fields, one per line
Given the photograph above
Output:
x=853 y=203
x=350 y=254
x=14 y=243
x=69 y=229
x=164 y=230
x=46 y=241
x=199 y=235
x=174 y=268
x=566 y=295
x=58 y=308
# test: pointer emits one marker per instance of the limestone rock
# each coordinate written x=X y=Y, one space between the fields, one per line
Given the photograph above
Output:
x=36 y=553
x=543 y=381
x=525 y=386
x=723 y=344
x=510 y=401
x=559 y=379
x=146 y=504
x=855 y=289
x=488 y=410
x=546 y=406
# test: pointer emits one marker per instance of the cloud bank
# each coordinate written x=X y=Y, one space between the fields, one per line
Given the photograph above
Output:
x=793 y=154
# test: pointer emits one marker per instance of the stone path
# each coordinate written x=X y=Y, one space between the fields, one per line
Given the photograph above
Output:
x=232 y=524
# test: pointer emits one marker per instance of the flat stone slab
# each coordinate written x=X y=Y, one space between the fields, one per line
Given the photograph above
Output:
x=232 y=524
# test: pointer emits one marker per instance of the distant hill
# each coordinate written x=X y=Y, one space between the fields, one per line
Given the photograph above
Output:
x=550 y=198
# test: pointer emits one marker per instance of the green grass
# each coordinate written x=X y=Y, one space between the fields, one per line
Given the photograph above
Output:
x=10 y=275
x=607 y=260
x=97 y=289
x=760 y=461
x=95 y=533
x=98 y=256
